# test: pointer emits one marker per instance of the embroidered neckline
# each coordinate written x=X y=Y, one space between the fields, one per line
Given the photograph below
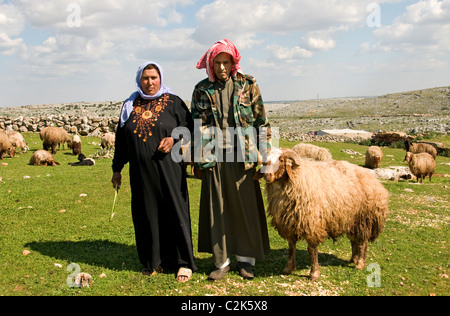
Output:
x=146 y=114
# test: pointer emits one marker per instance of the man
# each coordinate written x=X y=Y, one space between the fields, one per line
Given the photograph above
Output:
x=232 y=217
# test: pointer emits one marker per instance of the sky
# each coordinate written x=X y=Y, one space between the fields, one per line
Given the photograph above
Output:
x=62 y=51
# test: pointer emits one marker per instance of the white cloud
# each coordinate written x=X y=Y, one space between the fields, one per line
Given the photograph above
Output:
x=424 y=27
x=288 y=54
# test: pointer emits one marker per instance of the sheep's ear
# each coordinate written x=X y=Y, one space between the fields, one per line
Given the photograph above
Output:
x=290 y=154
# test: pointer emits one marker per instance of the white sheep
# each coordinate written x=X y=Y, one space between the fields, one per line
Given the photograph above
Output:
x=76 y=145
x=422 y=165
x=108 y=141
x=374 y=155
x=17 y=141
x=42 y=158
x=418 y=148
x=312 y=152
x=313 y=201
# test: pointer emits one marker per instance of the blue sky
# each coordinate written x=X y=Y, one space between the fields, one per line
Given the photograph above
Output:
x=60 y=51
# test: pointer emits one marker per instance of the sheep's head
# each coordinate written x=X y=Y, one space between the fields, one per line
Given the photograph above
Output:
x=408 y=156
x=280 y=164
x=12 y=152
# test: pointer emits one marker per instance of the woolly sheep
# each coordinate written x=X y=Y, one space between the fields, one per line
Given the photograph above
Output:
x=108 y=141
x=17 y=140
x=42 y=158
x=417 y=148
x=6 y=146
x=313 y=201
x=374 y=155
x=55 y=136
x=422 y=165
x=76 y=145
x=313 y=152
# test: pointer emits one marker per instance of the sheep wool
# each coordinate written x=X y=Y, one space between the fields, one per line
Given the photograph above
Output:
x=374 y=155
x=55 y=136
x=421 y=165
x=6 y=147
x=313 y=201
x=313 y=152
x=418 y=148
x=42 y=158
x=108 y=141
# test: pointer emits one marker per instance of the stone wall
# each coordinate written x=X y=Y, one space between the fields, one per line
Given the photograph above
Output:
x=84 y=125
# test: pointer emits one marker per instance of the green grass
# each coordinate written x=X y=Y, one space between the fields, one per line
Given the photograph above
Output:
x=412 y=252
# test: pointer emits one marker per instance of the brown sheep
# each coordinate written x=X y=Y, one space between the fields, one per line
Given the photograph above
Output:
x=374 y=155
x=55 y=136
x=42 y=158
x=6 y=146
x=422 y=165
x=313 y=152
x=313 y=201
x=417 y=148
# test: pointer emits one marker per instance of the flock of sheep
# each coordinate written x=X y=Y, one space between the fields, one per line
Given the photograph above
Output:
x=310 y=196
x=52 y=139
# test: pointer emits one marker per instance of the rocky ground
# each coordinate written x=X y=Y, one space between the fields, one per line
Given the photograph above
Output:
x=410 y=112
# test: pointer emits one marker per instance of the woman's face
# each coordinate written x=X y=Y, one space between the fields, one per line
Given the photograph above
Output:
x=150 y=82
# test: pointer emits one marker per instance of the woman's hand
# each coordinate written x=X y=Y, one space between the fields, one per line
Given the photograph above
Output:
x=166 y=145
x=116 y=180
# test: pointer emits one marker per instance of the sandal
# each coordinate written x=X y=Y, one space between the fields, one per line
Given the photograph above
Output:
x=184 y=275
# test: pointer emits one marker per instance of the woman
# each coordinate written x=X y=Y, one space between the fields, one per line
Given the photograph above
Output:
x=159 y=194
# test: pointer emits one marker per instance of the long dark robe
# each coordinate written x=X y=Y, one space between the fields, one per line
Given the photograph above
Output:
x=159 y=193
x=232 y=217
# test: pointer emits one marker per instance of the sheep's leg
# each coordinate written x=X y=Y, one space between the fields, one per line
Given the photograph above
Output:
x=291 y=264
x=362 y=249
x=354 y=257
x=314 y=259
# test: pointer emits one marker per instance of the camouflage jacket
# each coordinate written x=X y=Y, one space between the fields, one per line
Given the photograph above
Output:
x=253 y=128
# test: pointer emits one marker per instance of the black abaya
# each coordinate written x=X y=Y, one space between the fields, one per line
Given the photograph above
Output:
x=160 y=200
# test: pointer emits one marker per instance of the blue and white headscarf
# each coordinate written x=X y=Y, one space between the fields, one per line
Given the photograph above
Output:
x=128 y=105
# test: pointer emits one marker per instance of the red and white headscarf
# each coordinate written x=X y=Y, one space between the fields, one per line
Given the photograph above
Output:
x=223 y=46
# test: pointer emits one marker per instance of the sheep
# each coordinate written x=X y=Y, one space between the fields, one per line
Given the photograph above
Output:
x=417 y=148
x=6 y=146
x=374 y=155
x=422 y=165
x=313 y=152
x=76 y=145
x=108 y=141
x=17 y=141
x=313 y=201
x=42 y=158
x=54 y=136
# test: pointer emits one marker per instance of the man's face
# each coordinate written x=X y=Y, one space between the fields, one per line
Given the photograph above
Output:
x=222 y=66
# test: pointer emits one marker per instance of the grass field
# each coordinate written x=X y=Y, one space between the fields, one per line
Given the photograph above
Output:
x=60 y=215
